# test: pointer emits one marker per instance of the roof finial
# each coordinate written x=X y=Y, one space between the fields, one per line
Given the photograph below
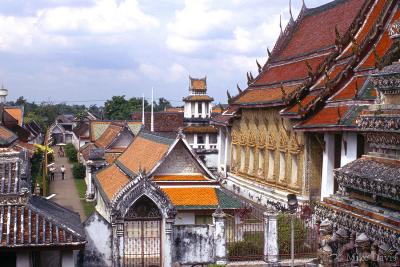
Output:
x=290 y=9
x=304 y=4
x=258 y=66
x=239 y=89
x=280 y=23
x=269 y=52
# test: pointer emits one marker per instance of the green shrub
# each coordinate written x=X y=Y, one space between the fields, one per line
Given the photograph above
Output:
x=78 y=170
x=71 y=153
x=252 y=244
x=284 y=233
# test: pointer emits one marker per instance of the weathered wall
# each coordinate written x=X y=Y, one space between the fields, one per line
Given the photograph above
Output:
x=211 y=160
x=184 y=218
x=98 y=235
x=193 y=244
x=179 y=161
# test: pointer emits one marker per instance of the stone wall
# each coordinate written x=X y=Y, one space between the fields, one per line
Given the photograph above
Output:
x=179 y=161
x=193 y=244
x=98 y=248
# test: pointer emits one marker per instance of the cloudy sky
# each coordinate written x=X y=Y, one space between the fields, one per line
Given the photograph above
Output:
x=90 y=50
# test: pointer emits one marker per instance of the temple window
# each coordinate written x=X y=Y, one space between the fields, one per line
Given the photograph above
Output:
x=200 y=108
x=271 y=164
x=251 y=161
x=200 y=139
x=282 y=166
x=213 y=138
x=242 y=158
x=293 y=178
x=261 y=162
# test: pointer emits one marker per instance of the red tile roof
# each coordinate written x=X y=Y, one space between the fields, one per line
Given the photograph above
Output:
x=192 y=196
x=163 y=121
x=303 y=103
x=111 y=179
x=16 y=113
x=326 y=116
x=200 y=129
x=143 y=153
x=109 y=135
x=288 y=71
x=317 y=29
x=349 y=90
x=264 y=95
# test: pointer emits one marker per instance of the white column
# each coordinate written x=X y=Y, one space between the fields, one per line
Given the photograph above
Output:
x=207 y=141
x=219 y=237
x=349 y=148
x=221 y=149
x=169 y=242
x=195 y=140
x=89 y=188
x=23 y=259
x=271 y=251
x=67 y=258
x=328 y=161
x=203 y=109
x=196 y=109
x=228 y=145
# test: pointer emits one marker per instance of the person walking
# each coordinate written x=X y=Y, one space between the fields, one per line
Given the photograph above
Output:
x=62 y=172
x=52 y=170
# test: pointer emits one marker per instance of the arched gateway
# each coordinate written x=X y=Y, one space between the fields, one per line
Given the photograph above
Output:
x=142 y=220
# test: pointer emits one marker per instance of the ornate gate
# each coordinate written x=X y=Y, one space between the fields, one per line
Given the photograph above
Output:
x=142 y=237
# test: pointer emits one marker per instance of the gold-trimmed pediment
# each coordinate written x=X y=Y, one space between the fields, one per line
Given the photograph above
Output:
x=282 y=144
x=271 y=143
x=294 y=146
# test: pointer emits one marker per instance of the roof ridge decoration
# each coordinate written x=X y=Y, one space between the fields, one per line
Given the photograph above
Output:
x=142 y=185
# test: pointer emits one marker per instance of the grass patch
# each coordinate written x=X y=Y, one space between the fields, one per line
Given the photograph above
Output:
x=88 y=207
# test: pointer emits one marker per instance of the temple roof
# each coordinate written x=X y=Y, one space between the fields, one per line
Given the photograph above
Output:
x=198 y=84
x=6 y=136
x=15 y=113
x=193 y=98
x=200 y=129
x=169 y=122
x=314 y=30
x=32 y=221
x=97 y=128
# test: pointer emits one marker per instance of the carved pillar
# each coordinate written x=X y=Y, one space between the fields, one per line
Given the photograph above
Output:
x=117 y=243
x=169 y=242
x=219 y=237
x=271 y=251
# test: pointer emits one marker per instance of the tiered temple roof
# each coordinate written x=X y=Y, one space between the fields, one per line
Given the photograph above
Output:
x=318 y=70
x=150 y=152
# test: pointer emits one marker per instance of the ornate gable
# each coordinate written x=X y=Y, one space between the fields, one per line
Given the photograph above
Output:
x=137 y=188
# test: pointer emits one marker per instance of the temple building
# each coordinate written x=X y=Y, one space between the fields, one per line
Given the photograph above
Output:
x=34 y=231
x=200 y=134
x=108 y=140
x=365 y=211
x=296 y=121
x=158 y=183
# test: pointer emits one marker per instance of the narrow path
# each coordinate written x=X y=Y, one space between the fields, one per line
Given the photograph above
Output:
x=65 y=190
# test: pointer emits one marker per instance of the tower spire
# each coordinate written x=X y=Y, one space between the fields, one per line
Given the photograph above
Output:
x=290 y=9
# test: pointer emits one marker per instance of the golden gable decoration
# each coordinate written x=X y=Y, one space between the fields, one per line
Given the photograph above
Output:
x=251 y=139
x=271 y=144
x=294 y=146
x=282 y=144
x=235 y=137
x=261 y=139
x=243 y=139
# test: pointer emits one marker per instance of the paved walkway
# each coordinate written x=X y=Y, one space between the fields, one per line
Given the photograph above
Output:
x=66 y=193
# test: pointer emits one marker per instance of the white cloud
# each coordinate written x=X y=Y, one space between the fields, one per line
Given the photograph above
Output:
x=62 y=26
x=170 y=73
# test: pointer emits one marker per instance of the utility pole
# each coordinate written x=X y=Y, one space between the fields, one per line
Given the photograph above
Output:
x=45 y=163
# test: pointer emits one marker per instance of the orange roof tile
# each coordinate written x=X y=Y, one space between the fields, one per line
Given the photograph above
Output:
x=326 y=116
x=196 y=196
x=180 y=178
x=111 y=157
x=111 y=179
x=16 y=113
x=198 y=98
x=308 y=37
x=143 y=153
x=5 y=133
x=303 y=102
x=264 y=95
x=200 y=129
x=350 y=89
x=198 y=84
x=108 y=136
x=367 y=26
x=288 y=71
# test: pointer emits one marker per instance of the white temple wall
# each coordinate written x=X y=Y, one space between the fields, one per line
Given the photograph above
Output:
x=185 y=218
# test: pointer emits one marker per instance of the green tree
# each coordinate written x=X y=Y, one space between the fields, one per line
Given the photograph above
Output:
x=119 y=108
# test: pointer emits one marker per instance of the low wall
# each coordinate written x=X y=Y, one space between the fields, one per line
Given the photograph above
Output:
x=193 y=244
